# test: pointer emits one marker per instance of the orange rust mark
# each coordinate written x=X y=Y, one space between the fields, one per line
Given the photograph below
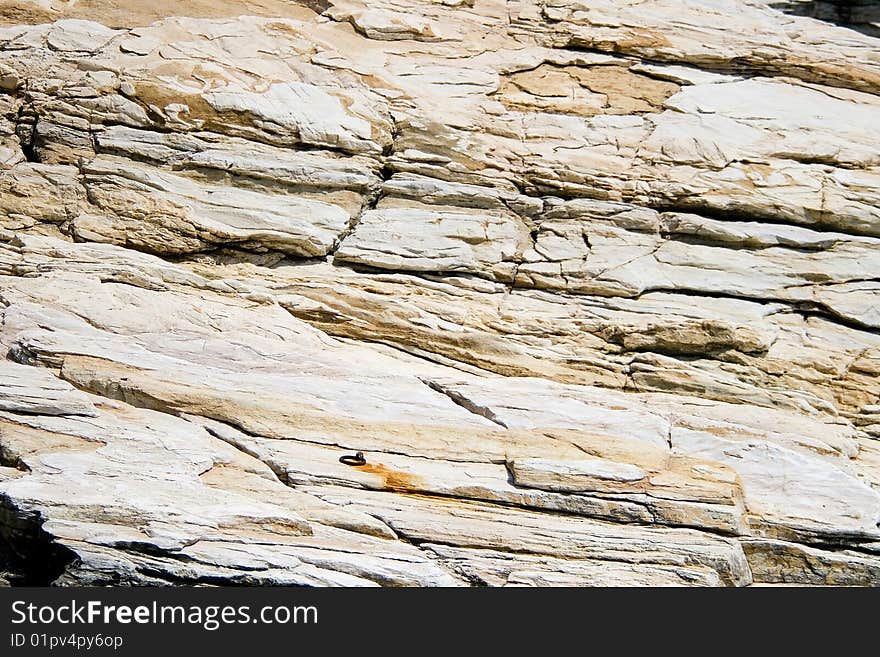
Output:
x=393 y=479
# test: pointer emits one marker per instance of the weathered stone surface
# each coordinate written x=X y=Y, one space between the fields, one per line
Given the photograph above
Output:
x=475 y=525
x=571 y=476
x=494 y=568
x=33 y=391
x=408 y=239
x=594 y=286
x=171 y=214
x=781 y=562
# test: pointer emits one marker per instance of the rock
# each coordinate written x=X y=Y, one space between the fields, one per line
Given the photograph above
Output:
x=384 y=25
x=853 y=505
x=169 y=213
x=301 y=110
x=570 y=476
x=494 y=568
x=592 y=286
x=781 y=562
x=72 y=35
x=707 y=36
x=38 y=196
x=166 y=486
x=478 y=526
x=33 y=391
x=422 y=240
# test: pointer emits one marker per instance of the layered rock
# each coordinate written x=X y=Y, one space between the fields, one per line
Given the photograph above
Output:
x=594 y=286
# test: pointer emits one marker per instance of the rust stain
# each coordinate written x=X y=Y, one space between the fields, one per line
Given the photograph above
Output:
x=393 y=479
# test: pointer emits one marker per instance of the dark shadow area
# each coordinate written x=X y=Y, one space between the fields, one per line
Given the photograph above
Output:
x=859 y=15
x=28 y=556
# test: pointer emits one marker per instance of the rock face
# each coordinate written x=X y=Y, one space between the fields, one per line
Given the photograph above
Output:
x=594 y=286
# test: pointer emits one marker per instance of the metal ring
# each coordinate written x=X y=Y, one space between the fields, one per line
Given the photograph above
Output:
x=357 y=459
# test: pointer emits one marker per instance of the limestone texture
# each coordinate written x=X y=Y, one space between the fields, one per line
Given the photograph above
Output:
x=594 y=286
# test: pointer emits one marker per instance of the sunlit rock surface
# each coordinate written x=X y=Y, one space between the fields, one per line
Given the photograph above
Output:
x=593 y=285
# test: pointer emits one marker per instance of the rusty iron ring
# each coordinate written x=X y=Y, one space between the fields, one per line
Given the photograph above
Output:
x=357 y=459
